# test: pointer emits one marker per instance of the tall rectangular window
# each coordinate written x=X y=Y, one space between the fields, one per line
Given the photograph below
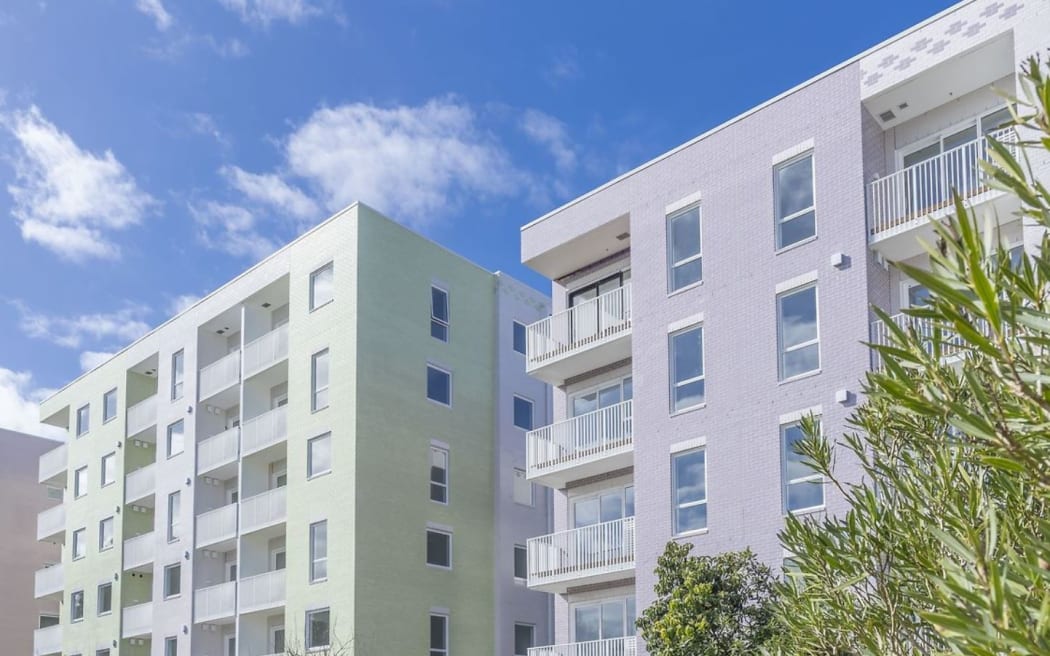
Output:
x=76 y=606
x=319 y=455
x=520 y=339
x=523 y=413
x=439 y=385
x=439 y=548
x=439 y=635
x=439 y=317
x=793 y=191
x=524 y=636
x=109 y=405
x=685 y=260
x=521 y=562
x=171 y=646
x=803 y=487
x=317 y=629
x=438 y=474
x=318 y=551
x=687 y=368
x=178 y=375
x=172 y=580
x=79 y=543
x=105 y=534
x=174 y=511
x=176 y=438
x=104 y=602
x=80 y=482
x=798 y=332
x=109 y=469
x=83 y=419
x=522 y=488
x=689 y=487
x=319 y=380
x=322 y=286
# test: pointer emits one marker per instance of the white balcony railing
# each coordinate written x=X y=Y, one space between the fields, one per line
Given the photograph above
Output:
x=951 y=342
x=48 y=581
x=138 y=620
x=140 y=484
x=909 y=195
x=581 y=552
x=267 y=350
x=262 y=510
x=220 y=375
x=266 y=429
x=53 y=464
x=51 y=522
x=47 y=640
x=589 y=323
x=142 y=415
x=218 y=450
x=217 y=525
x=584 y=437
x=139 y=551
x=262 y=591
x=609 y=647
x=215 y=602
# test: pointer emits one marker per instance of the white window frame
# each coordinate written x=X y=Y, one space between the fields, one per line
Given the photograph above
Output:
x=174 y=521
x=431 y=365
x=799 y=213
x=814 y=477
x=111 y=394
x=72 y=606
x=445 y=323
x=521 y=475
x=442 y=450
x=110 y=457
x=310 y=472
x=98 y=599
x=525 y=333
x=169 y=433
x=165 y=590
x=673 y=264
x=675 y=384
x=431 y=649
x=316 y=390
x=426 y=556
x=675 y=506
x=83 y=423
x=532 y=628
x=573 y=606
x=532 y=412
x=101 y=534
x=620 y=489
x=314 y=558
x=596 y=389
x=178 y=374
x=523 y=548
x=330 y=266
x=79 y=540
x=78 y=489
x=782 y=351
x=309 y=635
x=171 y=646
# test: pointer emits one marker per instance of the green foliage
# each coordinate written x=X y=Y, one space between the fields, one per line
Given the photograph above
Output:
x=945 y=547
x=708 y=606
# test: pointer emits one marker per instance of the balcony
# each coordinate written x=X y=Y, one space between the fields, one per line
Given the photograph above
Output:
x=217 y=455
x=220 y=376
x=47 y=641
x=142 y=416
x=265 y=430
x=262 y=592
x=48 y=581
x=594 y=443
x=952 y=345
x=140 y=486
x=583 y=556
x=139 y=552
x=582 y=338
x=53 y=465
x=217 y=527
x=903 y=203
x=51 y=524
x=262 y=353
x=264 y=510
x=138 y=620
x=216 y=604
x=609 y=647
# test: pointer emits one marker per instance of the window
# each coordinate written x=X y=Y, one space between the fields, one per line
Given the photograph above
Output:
x=602 y=620
x=76 y=606
x=171 y=646
x=79 y=543
x=177 y=375
x=439 y=385
x=523 y=639
x=687 y=368
x=54 y=493
x=684 y=254
x=689 y=471
x=322 y=286
x=793 y=190
x=319 y=455
x=176 y=438
x=80 y=482
x=439 y=635
x=522 y=488
x=521 y=562
x=523 y=413
x=105 y=598
x=109 y=405
x=797 y=332
x=317 y=629
x=48 y=620
x=101 y=652
x=439 y=314
x=280 y=559
x=803 y=487
x=105 y=534
x=319 y=381
x=519 y=337
x=109 y=469
x=319 y=551
x=83 y=420
x=438 y=474
x=439 y=548
x=174 y=510
x=172 y=580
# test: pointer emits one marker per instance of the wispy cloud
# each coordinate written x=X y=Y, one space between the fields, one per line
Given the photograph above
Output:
x=271 y=190
x=564 y=66
x=121 y=326
x=230 y=228
x=20 y=404
x=181 y=303
x=265 y=12
x=551 y=133
x=156 y=11
x=91 y=359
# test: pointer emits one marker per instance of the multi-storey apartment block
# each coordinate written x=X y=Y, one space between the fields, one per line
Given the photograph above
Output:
x=707 y=300
x=328 y=451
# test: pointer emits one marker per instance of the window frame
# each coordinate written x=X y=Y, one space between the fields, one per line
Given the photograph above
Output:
x=675 y=505
x=106 y=417
x=786 y=483
x=83 y=424
x=169 y=433
x=174 y=528
x=445 y=621
x=443 y=485
x=78 y=489
x=310 y=473
x=532 y=637
x=532 y=488
x=314 y=558
x=445 y=533
x=315 y=389
x=112 y=530
x=435 y=320
x=98 y=599
x=673 y=384
x=782 y=351
x=532 y=413
x=178 y=374
x=79 y=538
x=171 y=642
x=314 y=305
x=524 y=337
x=166 y=587
x=448 y=374
x=672 y=264
x=111 y=457
x=309 y=636
x=73 y=606
x=779 y=220
x=525 y=550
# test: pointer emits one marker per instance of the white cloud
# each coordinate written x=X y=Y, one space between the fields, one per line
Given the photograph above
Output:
x=155 y=10
x=91 y=359
x=205 y=124
x=181 y=303
x=548 y=131
x=68 y=199
x=265 y=12
x=270 y=189
x=230 y=228
x=563 y=66
x=124 y=325
x=19 y=404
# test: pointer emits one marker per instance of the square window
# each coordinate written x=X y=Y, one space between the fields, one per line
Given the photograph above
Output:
x=171 y=646
x=76 y=606
x=521 y=562
x=105 y=534
x=318 y=551
x=172 y=580
x=439 y=385
x=687 y=368
x=523 y=639
x=109 y=469
x=684 y=253
x=79 y=543
x=322 y=286
x=522 y=488
x=174 y=512
x=439 y=315
x=319 y=455
x=317 y=629
x=80 y=482
x=520 y=337
x=689 y=486
x=793 y=190
x=105 y=598
x=439 y=548
x=101 y=652
x=83 y=420
x=178 y=376
x=803 y=487
x=176 y=438
x=319 y=380
x=523 y=413
x=438 y=474
x=798 y=332
x=438 y=635
x=109 y=405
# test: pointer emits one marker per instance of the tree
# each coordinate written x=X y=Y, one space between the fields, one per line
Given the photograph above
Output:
x=945 y=547
x=708 y=605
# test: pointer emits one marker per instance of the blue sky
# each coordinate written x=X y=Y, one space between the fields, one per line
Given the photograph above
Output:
x=151 y=149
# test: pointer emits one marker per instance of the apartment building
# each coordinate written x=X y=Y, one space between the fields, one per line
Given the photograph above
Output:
x=325 y=454
x=709 y=299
